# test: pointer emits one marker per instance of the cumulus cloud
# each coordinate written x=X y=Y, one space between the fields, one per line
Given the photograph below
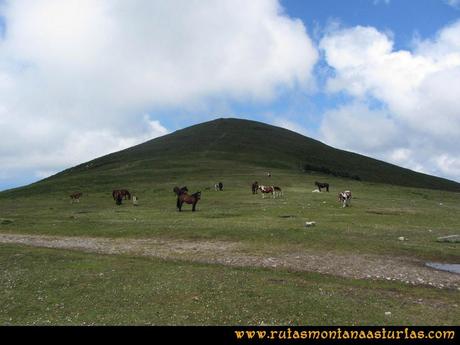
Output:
x=77 y=77
x=418 y=90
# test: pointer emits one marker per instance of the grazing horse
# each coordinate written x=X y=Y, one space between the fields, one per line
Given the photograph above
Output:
x=189 y=199
x=277 y=191
x=255 y=187
x=178 y=191
x=345 y=198
x=118 y=198
x=123 y=192
x=75 y=197
x=219 y=186
x=266 y=190
x=322 y=185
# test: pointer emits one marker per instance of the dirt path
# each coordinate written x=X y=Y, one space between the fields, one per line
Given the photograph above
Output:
x=404 y=269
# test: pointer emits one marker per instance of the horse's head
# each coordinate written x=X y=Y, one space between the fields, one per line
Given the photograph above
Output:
x=197 y=195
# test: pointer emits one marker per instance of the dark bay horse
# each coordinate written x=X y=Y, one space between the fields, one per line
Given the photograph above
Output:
x=322 y=185
x=189 y=199
x=76 y=196
x=255 y=187
x=178 y=191
x=123 y=192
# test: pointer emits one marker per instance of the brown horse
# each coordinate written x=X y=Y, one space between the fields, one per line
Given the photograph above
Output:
x=189 y=199
x=123 y=192
x=76 y=196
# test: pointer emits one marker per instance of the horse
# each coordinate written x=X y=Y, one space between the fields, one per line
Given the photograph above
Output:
x=322 y=185
x=124 y=193
x=255 y=187
x=219 y=186
x=75 y=197
x=178 y=191
x=118 y=198
x=189 y=199
x=277 y=191
x=345 y=198
x=267 y=189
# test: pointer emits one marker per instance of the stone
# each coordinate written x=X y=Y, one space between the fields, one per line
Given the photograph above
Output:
x=449 y=239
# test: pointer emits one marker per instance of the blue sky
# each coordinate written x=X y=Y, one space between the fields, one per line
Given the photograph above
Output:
x=80 y=79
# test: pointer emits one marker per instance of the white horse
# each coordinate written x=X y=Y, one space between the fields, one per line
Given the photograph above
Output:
x=345 y=198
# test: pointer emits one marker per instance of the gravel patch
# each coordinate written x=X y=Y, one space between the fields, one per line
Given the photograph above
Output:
x=357 y=266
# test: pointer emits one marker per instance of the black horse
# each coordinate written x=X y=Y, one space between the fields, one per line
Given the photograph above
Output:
x=178 y=191
x=255 y=187
x=189 y=199
x=322 y=185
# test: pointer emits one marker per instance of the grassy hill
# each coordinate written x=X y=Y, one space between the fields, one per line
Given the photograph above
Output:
x=222 y=143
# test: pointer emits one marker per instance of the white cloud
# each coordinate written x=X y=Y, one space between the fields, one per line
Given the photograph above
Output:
x=453 y=3
x=291 y=125
x=77 y=76
x=418 y=89
x=349 y=128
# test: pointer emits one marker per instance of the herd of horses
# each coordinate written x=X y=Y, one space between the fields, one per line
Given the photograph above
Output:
x=183 y=195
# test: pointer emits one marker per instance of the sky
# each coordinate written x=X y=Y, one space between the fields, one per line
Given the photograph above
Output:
x=81 y=78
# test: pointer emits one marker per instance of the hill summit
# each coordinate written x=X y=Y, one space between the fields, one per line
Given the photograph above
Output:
x=251 y=143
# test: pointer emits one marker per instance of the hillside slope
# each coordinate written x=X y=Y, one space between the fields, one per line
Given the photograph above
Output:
x=225 y=143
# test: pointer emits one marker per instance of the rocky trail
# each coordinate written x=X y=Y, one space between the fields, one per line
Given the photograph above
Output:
x=357 y=266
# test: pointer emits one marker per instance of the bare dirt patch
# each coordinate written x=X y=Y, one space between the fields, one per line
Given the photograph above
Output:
x=403 y=269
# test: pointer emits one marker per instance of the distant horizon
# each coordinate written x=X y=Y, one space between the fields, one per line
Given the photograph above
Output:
x=79 y=80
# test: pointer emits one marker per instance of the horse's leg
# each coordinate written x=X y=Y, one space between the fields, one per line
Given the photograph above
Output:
x=193 y=207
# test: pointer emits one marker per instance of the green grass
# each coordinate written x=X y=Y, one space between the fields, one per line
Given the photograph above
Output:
x=378 y=216
x=44 y=286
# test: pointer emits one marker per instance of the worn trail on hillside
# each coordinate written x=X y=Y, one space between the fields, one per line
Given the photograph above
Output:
x=403 y=269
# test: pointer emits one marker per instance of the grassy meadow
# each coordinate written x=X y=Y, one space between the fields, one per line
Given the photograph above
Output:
x=51 y=286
